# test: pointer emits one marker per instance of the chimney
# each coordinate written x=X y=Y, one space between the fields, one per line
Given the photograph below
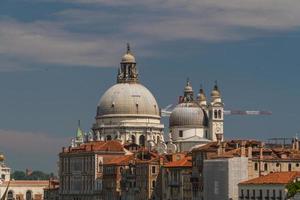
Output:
x=250 y=152
x=261 y=153
x=243 y=150
x=219 y=151
x=161 y=161
x=223 y=147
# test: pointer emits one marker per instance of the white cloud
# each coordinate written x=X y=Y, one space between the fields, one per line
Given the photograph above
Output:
x=91 y=36
x=249 y=13
x=45 y=42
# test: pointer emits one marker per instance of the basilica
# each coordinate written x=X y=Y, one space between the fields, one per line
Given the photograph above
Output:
x=128 y=112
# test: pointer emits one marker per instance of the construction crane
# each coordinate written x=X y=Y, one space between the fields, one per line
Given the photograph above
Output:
x=247 y=112
x=166 y=112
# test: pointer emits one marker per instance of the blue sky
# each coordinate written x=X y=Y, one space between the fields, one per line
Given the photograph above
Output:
x=57 y=57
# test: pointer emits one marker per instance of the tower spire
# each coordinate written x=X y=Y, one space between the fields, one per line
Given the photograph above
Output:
x=128 y=48
x=216 y=85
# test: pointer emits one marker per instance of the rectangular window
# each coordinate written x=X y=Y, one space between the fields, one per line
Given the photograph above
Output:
x=153 y=169
x=268 y=194
x=266 y=166
x=256 y=166
x=280 y=194
x=180 y=133
x=260 y=194
x=242 y=194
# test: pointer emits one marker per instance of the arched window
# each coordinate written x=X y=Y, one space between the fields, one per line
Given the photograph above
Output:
x=29 y=195
x=219 y=114
x=158 y=139
x=290 y=167
x=133 y=139
x=108 y=137
x=142 y=140
x=10 y=195
x=215 y=114
x=153 y=184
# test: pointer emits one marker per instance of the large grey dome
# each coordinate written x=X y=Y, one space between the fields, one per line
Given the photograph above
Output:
x=128 y=99
x=188 y=115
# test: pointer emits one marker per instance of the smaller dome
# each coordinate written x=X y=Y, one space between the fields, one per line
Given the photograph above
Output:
x=189 y=115
x=128 y=58
x=201 y=96
x=215 y=93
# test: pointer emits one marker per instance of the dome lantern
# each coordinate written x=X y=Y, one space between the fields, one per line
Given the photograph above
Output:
x=188 y=92
x=127 y=72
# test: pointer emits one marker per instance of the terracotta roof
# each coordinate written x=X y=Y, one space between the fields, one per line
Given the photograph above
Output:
x=273 y=178
x=184 y=162
x=122 y=160
x=212 y=146
x=230 y=144
x=112 y=145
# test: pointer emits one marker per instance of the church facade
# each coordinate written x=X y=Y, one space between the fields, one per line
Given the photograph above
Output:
x=128 y=112
x=194 y=121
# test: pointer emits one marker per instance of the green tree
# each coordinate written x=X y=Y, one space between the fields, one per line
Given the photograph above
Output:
x=293 y=188
x=35 y=175
x=18 y=175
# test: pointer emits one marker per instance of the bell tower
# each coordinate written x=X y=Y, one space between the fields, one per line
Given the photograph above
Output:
x=216 y=115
